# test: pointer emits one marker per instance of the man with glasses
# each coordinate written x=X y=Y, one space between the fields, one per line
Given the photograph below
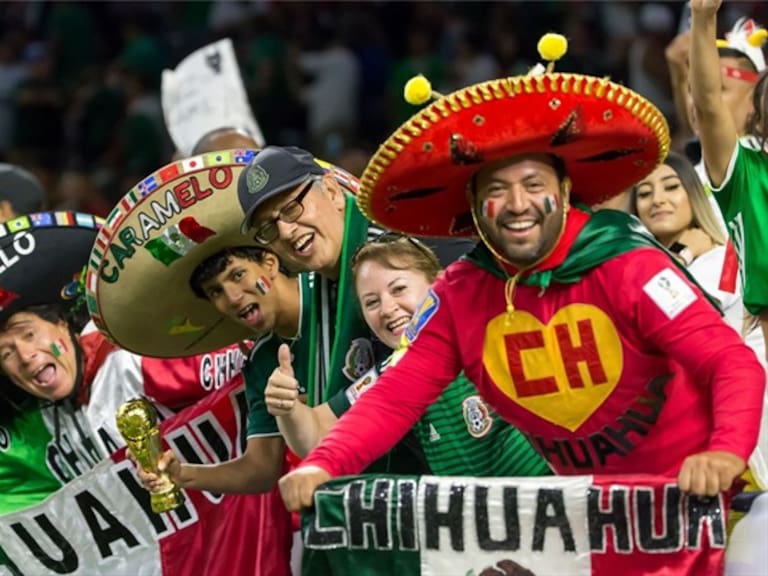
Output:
x=300 y=211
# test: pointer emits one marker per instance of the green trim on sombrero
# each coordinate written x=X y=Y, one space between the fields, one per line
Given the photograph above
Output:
x=608 y=136
x=161 y=230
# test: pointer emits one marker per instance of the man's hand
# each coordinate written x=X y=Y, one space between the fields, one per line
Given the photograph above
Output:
x=298 y=487
x=709 y=473
x=152 y=482
x=705 y=7
x=282 y=391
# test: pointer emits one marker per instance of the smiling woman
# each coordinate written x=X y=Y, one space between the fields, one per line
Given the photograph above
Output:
x=459 y=434
x=673 y=205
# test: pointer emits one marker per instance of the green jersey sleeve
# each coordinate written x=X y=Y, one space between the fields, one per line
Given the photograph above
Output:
x=260 y=364
x=743 y=199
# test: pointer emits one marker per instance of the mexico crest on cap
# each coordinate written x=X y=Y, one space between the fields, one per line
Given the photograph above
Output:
x=257 y=178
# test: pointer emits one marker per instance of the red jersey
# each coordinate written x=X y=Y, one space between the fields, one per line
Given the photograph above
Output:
x=628 y=370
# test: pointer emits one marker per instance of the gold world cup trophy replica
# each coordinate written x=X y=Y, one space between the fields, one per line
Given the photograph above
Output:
x=137 y=423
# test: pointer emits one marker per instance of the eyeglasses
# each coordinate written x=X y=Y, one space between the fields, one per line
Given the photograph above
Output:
x=289 y=213
x=390 y=238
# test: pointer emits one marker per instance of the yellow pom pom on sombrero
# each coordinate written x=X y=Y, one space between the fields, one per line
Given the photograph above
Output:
x=552 y=47
x=608 y=137
x=418 y=90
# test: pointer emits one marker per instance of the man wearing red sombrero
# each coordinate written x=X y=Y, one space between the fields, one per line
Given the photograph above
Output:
x=576 y=327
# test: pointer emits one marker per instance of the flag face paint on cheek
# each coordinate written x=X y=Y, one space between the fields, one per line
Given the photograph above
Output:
x=263 y=285
x=550 y=204
x=491 y=207
x=58 y=348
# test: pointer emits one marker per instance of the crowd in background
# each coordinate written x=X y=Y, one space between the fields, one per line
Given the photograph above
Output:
x=80 y=109
x=80 y=82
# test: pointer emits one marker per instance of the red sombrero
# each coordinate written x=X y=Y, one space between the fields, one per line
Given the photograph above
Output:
x=608 y=136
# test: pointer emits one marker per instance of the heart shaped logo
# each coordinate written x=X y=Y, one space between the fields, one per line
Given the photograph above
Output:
x=562 y=371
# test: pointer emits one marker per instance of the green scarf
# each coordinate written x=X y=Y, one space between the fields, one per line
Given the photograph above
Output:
x=607 y=234
x=346 y=322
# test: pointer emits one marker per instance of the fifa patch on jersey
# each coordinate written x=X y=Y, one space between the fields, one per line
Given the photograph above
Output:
x=670 y=293
x=423 y=315
x=360 y=387
x=477 y=416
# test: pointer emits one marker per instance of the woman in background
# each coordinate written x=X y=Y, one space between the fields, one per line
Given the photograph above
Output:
x=673 y=205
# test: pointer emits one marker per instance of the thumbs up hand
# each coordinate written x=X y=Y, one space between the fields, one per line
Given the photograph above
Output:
x=282 y=391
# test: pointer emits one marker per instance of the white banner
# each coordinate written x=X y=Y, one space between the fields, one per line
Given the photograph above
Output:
x=206 y=92
x=472 y=525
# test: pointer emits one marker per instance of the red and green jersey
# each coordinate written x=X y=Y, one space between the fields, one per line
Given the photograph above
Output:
x=612 y=360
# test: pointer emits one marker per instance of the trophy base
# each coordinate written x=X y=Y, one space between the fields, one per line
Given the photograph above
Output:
x=166 y=501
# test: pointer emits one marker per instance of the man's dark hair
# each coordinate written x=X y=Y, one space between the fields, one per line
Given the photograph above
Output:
x=75 y=316
x=215 y=265
x=557 y=163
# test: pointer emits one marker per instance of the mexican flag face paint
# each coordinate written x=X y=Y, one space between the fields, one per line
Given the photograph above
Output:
x=263 y=285
x=178 y=240
x=550 y=203
x=491 y=207
x=58 y=348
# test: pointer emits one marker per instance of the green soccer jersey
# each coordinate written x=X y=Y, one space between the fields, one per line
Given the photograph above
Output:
x=262 y=361
x=329 y=337
x=459 y=434
x=743 y=199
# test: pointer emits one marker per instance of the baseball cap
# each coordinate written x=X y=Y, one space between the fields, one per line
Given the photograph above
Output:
x=273 y=170
x=21 y=189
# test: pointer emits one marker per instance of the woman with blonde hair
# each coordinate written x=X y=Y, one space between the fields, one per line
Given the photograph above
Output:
x=673 y=205
x=459 y=434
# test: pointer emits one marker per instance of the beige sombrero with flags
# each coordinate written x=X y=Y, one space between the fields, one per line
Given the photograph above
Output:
x=608 y=136
x=138 y=283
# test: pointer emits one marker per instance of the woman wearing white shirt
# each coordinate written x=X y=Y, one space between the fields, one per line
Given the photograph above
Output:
x=673 y=205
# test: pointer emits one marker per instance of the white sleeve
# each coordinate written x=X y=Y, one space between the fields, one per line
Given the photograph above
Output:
x=728 y=173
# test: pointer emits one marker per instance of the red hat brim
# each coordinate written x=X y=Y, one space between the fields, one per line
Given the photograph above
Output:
x=608 y=136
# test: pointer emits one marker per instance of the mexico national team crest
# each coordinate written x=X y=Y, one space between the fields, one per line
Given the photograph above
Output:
x=257 y=178
x=359 y=358
x=477 y=416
